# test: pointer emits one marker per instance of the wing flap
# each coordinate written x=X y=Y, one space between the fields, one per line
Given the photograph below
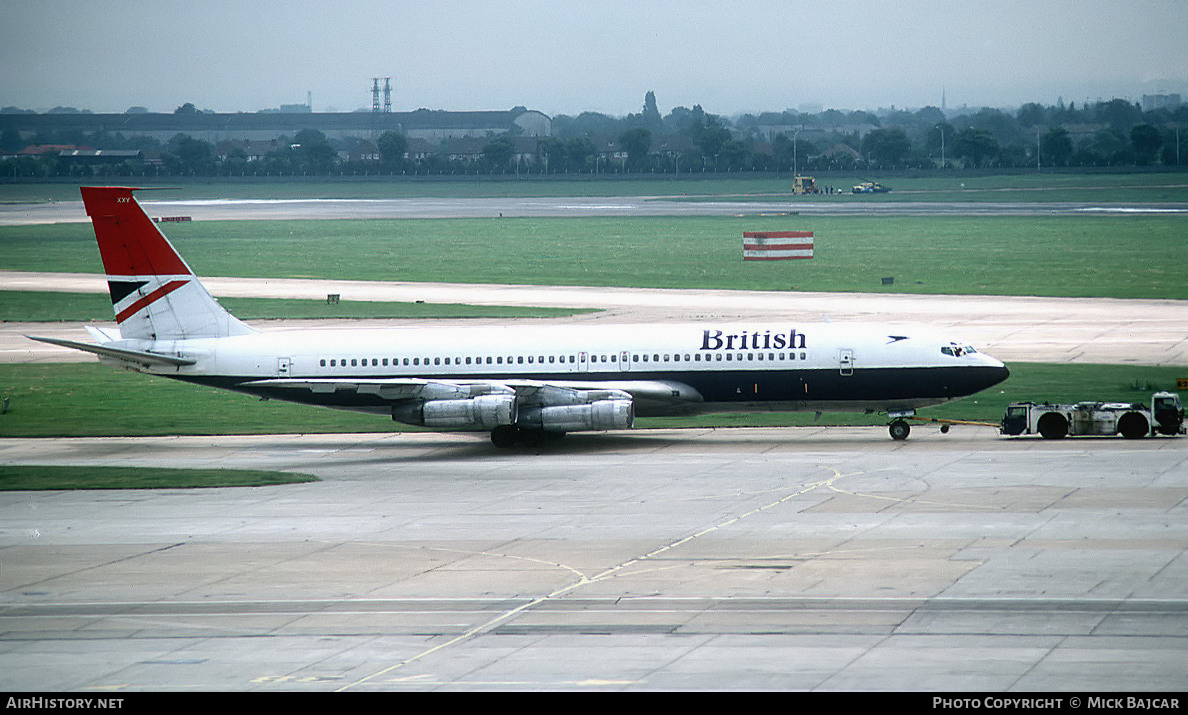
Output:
x=528 y=392
x=392 y=389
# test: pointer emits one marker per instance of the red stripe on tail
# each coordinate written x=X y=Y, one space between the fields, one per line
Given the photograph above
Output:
x=130 y=244
x=149 y=300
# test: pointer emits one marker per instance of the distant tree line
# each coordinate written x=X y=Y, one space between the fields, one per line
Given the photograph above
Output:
x=1106 y=133
x=686 y=140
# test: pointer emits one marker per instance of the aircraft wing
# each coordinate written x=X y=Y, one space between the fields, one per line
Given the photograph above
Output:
x=392 y=388
x=139 y=357
x=411 y=388
x=645 y=392
x=527 y=392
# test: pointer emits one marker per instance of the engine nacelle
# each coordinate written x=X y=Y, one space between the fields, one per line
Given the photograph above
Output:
x=482 y=412
x=600 y=415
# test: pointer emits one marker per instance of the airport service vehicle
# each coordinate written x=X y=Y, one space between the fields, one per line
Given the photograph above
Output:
x=804 y=185
x=522 y=383
x=870 y=187
x=1164 y=416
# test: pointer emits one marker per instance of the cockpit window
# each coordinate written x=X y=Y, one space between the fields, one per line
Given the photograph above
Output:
x=957 y=350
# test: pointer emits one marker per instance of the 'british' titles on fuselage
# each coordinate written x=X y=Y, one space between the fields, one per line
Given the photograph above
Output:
x=752 y=340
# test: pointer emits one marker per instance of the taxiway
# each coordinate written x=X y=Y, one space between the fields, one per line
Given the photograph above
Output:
x=1012 y=328
x=571 y=206
x=827 y=559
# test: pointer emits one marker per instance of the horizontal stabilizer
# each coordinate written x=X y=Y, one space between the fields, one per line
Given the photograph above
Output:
x=139 y=357
x=103 y=335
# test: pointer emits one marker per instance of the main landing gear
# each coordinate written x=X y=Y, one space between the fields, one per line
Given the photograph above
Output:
x=505 y=436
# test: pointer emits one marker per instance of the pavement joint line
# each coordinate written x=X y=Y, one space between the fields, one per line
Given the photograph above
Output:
x=582 y=581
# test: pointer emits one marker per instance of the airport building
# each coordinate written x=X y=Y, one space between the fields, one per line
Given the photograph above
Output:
x=265 y=126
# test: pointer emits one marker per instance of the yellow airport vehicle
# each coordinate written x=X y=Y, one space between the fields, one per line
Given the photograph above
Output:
x=804 y=185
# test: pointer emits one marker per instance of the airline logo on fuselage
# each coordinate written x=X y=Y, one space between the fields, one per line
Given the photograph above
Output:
x=752 y=340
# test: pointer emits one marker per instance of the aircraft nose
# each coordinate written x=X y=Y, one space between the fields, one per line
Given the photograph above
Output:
x=997 y=374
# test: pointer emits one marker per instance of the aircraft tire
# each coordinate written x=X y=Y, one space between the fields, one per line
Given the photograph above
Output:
x=537 y=437
x=505 y=436
x=532 y=437
x=899 y=430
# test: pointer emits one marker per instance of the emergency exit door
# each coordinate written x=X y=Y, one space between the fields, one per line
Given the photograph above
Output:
x=845 y=361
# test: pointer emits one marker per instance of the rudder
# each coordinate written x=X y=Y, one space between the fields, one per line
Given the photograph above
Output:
x=154 y=293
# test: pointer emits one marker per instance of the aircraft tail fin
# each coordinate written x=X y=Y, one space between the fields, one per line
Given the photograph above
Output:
x=154 y=293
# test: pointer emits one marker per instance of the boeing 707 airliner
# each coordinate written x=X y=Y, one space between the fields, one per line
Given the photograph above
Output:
x=523 y=384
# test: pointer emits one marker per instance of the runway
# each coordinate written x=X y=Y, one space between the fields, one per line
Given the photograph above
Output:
x=807 y=558
x=572 y=206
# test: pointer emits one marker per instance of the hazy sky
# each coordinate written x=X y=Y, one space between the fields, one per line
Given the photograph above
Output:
x=565 y=57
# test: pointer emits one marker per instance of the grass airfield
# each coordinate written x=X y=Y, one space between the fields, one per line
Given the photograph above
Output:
x=1140 y=256
x=93 y=400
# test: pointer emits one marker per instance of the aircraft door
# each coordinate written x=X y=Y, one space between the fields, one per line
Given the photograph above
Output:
x=624 y=361
x=846 y=361
x=283 y=366
x=583 y=362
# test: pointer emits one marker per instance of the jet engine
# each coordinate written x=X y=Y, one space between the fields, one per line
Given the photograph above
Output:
x=482 y=412
x=599 y=415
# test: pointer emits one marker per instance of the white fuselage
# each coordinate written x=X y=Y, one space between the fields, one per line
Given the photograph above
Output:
x=668 y=368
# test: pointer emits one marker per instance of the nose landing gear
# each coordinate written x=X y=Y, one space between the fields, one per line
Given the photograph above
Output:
x=898 y=426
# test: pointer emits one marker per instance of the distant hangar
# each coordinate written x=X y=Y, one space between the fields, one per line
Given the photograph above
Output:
x=431 y=125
